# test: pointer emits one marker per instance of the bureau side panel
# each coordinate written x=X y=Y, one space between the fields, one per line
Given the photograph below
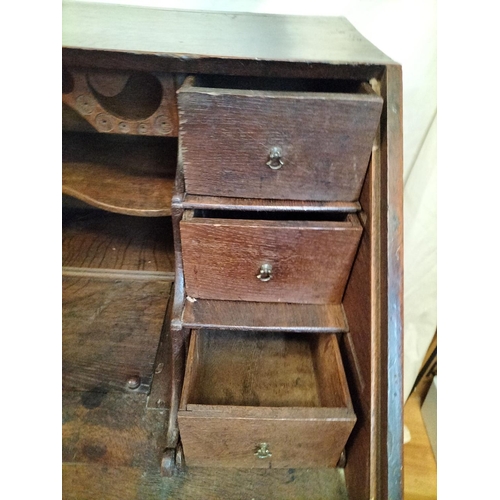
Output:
x=357 y=346
x=392 y=287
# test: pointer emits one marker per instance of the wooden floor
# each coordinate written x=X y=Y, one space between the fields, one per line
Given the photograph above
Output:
x=420 y=471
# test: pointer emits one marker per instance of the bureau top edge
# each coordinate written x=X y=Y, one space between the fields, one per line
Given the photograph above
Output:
x=222 y=35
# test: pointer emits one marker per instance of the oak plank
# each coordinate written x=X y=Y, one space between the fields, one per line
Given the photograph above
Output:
x=120 y=102
x=112 y=429
x=192 y=201
x=95 y=481
x=233 y=35
x=111 y=448
x=111 y=330
x=251 y=369
x=262 y=316
x=122 y=174
x=101 y=241
x=392 y=292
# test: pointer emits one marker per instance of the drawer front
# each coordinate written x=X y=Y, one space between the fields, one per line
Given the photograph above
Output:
x=238 y=442
x=321 y=143
x=268 y=261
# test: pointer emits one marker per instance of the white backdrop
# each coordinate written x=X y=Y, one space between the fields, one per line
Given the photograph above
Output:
x=406 y=32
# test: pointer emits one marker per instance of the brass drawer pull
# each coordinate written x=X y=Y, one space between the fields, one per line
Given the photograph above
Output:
x=265 y=272
x=275 y=162
x=263 y=451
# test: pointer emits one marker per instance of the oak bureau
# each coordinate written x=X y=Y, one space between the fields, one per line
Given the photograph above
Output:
x=255 y=161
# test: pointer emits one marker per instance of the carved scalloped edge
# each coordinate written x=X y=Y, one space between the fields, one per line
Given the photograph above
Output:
x=163 y=122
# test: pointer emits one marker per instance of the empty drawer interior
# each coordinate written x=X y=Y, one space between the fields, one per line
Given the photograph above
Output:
x=229 y=368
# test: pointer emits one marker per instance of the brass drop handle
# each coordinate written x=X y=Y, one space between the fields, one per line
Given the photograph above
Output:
x=263 y=451
x=275 y=162
x=265 y=272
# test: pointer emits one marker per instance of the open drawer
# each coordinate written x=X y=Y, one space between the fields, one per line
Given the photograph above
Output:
x=264 y=400
x=294 y=257
x=276 y=138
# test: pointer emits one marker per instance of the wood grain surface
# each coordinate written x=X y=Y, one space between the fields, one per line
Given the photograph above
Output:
x=211 y=35
x=262 y=316
x=222 y=258
x=96 y=481
x=98 y=240
x=392 y=235
x=128 y=175
x=226 y=136
x=112 y=429
x=111 y=331
x=245 y=388
x=361 y=361
x=227 y=203
x=252 y=369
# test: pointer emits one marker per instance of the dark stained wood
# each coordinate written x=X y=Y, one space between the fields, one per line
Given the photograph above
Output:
x=222 y=258
x=251 y=369
x=192 y=201
x=234 y=36
x=111 y=331
x=325 y=139
x=111 y=429
x=329 y=369
x=122 y=102
x=358 y=346
x=175 y=63
x=392 y=292
x=95 y=240
x=254 y=389
x=178 y=332
x=128 y=175
x=161 y=388
x=91 y=482
x=262 y=316
x=363 y=350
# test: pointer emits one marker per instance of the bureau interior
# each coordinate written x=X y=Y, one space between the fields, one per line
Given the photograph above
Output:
x=127 y=182
x=272 y=369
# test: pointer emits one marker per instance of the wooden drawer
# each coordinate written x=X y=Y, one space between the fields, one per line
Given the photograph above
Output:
x=323 y=130
x=310 y=259
x=264 y=400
